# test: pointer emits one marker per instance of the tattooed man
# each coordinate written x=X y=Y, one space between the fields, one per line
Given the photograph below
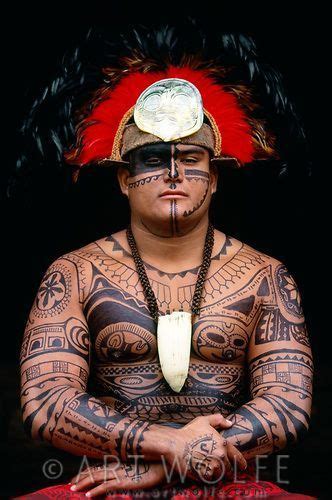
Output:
x=93 y=370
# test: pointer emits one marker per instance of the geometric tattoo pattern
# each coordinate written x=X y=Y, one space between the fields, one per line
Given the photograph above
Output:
x=271 y=326
x=288 y=291
x=92 y=384
x=71 y=335
x=54 y=292
x=293 y=369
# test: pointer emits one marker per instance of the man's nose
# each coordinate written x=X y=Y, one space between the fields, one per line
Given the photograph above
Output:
x=174 y=172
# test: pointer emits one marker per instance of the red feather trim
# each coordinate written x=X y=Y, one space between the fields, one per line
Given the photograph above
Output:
x=96 y=133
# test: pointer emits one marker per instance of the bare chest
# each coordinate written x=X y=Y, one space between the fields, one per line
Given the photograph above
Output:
x=125 y=368
x=122 y=329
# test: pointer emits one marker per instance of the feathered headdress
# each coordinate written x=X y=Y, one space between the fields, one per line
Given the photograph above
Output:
x=99 y=134
x=79 y=119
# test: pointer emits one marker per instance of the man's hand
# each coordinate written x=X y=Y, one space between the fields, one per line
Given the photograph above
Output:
x=109 y=478
x=200 y=452
x=197 y=451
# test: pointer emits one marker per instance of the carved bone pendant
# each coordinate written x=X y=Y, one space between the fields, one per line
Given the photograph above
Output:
x=174 y=344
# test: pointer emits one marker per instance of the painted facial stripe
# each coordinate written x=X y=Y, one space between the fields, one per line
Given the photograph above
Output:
x=173 y=169
x=195 y=172
x=186 y=213
x=173 y=211
x=145 y=180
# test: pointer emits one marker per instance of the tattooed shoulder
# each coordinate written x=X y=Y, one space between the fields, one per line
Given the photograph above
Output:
x=286 y=291
x=55 y=290
x=66 y=280
x=281 y=316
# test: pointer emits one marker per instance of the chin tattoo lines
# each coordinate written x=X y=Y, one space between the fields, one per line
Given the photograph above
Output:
x=55 y=372
x=280 y=371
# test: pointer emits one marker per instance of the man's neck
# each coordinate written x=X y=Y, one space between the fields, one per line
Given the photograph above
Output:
x=171 y=254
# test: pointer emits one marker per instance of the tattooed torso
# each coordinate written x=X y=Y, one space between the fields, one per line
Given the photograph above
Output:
x=90 y=374
x=125 y=369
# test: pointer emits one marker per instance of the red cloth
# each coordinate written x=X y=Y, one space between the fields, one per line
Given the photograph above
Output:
x=224 y=489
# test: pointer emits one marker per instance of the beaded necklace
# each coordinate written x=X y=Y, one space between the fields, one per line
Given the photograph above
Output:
x=174 y=329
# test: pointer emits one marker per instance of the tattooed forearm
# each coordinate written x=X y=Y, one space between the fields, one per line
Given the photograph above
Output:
x=73 y=420
x=55 y=404
x=279 y=413
x=266 y=424
x=88 y=426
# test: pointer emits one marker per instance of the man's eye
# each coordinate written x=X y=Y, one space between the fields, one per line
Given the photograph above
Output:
x=153 y=160
x=189 y=160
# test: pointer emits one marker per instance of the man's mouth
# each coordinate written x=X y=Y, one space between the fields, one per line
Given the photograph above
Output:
x=173 y=193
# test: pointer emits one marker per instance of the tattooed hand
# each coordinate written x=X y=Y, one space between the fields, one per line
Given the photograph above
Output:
x=201 y=452
x=105 y=478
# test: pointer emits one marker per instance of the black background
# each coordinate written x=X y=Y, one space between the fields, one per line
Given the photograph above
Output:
x=286 y=219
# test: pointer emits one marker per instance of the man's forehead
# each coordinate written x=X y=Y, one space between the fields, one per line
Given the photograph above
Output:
x=169 y=146
x=191 y=148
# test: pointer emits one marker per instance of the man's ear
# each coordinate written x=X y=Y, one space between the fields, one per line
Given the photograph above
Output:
x=213 y=177
x=123 y=175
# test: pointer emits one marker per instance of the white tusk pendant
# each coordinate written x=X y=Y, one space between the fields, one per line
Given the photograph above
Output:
x=174 y=345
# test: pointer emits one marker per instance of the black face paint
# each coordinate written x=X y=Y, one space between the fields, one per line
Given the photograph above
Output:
x=154 y=157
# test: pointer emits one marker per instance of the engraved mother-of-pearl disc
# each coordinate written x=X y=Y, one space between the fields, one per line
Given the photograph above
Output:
x=169 y=109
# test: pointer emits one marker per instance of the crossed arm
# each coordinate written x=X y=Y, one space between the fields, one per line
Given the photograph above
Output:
x=55 y=370
x=280 y=369
x=54 y=374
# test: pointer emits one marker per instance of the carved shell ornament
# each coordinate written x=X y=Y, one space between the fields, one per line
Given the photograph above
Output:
x=169 y=109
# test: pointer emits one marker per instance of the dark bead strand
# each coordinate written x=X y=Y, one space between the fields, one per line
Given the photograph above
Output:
x=148 y=292
x=207 y=252
x=144 y=280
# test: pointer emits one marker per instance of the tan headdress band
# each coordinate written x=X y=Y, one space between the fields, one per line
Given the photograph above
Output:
x=134 y=138
x=130 y=137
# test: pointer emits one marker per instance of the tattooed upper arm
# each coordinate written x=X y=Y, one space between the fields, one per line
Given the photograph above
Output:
x=280 y=371
x=55 y=346
x=280 y=358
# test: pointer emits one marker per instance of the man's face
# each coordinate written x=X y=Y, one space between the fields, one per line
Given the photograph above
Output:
x=169 y=186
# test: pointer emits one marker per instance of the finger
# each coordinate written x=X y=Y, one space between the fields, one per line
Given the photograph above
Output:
x=222 y=454
x=84 y=483
x=89 y=480
x=79 y=476
x=217 y=420
x=208 y=468
x=218 y=469
x=89 y=471
x=226 y=462
x=102 y=489
x=114 y=484
x=235 y=455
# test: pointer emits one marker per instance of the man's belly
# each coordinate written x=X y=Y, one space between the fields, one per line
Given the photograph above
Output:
x=138 y=389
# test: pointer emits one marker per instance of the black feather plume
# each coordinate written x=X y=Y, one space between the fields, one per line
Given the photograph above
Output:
x=49 y=127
